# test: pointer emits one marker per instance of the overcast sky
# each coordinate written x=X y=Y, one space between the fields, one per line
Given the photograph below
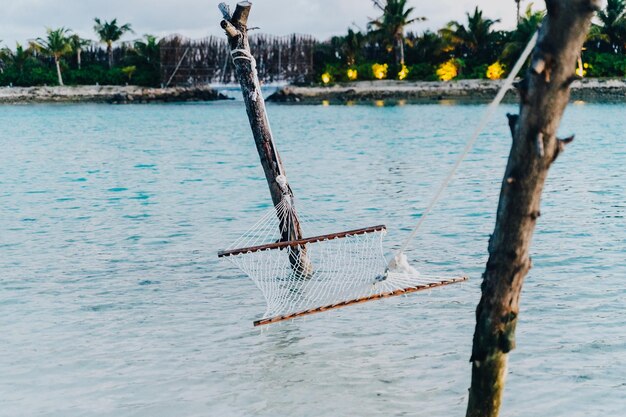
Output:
x=21 y=20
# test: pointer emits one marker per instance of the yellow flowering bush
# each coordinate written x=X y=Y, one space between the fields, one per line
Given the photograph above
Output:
x=326 y=78
x=380 y=71
x=448 y=70
x=404 y=72
x=495 y=71
x=352 y=74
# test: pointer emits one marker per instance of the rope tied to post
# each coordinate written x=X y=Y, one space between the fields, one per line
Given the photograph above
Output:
x=244 y=54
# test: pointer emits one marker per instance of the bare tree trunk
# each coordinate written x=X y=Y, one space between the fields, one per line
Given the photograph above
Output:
x=110 y=54
x=519 y=16
x=245 y=72
x=399 y=50
x=58 y=65
x=544 y=95
x=79 y=53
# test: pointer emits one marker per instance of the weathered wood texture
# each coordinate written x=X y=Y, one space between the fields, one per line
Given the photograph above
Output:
x=544 y=95
x=236 y=30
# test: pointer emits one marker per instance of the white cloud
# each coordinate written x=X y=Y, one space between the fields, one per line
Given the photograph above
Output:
x=21 y=20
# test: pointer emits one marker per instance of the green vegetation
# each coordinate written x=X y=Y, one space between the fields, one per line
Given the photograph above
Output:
x=611 y=33
x=389 y=28
x=110 y=32
x=469 y=49
x=77 y=44
x=55 y=45
x=62 y=57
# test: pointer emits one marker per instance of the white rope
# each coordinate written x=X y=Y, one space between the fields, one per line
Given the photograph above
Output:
x=470 y=144
x=244 y=55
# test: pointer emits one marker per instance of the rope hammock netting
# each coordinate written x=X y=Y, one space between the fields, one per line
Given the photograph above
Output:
x=325 y=271
x=321 y=272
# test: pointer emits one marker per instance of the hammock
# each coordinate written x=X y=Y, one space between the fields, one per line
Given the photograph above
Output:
x=325 y=271
x=330 y=271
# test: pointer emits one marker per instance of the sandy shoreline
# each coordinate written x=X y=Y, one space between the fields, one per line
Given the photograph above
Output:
x=106 y=94
x=462 y=90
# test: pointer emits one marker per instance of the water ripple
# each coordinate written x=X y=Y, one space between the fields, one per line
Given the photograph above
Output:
x=112 y=301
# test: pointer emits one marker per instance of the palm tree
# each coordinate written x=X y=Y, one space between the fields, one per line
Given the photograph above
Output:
x=396 y=16
x=78 y=44
x=612 y=30
x=526 y=28
x=352 y=45
x=474 y=39
x=18 y=58
x=55 y=44
x=148 y=50
x=110 y=32
x=430 y=48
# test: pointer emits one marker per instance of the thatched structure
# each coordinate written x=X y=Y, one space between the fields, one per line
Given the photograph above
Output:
x=96 y=53
x=186 y=62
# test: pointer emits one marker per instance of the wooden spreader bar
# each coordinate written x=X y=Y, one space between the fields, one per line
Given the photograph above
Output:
x=359 y=301
x=301 y=242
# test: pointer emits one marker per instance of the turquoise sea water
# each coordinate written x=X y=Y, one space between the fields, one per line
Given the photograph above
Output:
x=113 y=302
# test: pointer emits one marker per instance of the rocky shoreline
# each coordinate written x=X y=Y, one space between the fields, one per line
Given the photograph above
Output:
x=462 y=90
x=107 y=94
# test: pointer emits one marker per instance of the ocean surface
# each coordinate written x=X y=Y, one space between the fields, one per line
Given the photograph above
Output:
x=113 y=302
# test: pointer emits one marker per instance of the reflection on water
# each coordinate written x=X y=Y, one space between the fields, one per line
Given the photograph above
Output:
x=113 y=302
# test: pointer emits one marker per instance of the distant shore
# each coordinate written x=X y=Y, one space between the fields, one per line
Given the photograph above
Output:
x=462 y=90
x=107 y=94
x=386 y=91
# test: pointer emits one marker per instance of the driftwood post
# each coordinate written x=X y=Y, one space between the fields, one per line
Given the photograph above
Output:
x=544 y=94
x=236 y=28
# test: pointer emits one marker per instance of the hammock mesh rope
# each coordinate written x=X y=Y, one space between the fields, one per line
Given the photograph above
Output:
x=347 y=268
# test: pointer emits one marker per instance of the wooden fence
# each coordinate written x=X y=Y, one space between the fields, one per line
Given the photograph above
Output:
x=186 y=62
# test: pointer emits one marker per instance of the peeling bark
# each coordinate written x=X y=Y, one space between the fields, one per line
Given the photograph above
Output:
x=236 y=28
x=543 y=97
